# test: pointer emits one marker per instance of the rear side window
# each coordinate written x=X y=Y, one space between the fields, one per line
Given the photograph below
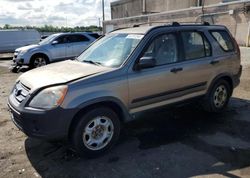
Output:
x=77 y=38
x=224 y=40
x=195 y=45
x=95 y=35
x=82 y=38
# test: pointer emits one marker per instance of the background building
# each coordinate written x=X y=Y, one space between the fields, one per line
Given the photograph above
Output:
x=235 y=14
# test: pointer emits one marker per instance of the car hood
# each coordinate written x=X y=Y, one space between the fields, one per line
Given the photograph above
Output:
x=58 y=73
x=24 y=48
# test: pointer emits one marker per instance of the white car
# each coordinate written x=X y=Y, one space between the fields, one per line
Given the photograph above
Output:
x=56 y=47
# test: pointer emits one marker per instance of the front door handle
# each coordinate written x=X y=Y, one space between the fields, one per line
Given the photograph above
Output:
x=214 y=62
x=175 y=70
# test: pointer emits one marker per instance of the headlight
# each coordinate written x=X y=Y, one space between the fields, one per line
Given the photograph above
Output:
x=23 y=52
x=49 y=98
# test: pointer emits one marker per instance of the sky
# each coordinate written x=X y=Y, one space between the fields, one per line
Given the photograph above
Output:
x=53 y=12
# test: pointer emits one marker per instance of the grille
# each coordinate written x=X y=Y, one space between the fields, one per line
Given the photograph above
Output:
x=20 y=92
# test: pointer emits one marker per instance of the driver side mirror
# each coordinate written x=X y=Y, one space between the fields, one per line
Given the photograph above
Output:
x=54 y=42
x=146 y=62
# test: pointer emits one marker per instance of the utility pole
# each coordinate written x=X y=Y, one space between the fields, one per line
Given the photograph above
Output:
x=99 y=21
x=66 y=21
x=103 y=14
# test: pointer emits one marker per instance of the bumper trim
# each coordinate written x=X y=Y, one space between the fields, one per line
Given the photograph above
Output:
x=13 y=109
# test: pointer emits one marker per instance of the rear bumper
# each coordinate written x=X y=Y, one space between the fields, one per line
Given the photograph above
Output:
x=236 y=78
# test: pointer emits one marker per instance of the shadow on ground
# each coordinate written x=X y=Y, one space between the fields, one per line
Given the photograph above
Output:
x=176 y=142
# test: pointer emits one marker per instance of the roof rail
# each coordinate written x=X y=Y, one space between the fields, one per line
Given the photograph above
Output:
x=175 y=24
x=206 y=23
x=144 y=23
x=172 y=23
x=166 y=23
x=119 y=29
x=187 y=23
x=136 y=25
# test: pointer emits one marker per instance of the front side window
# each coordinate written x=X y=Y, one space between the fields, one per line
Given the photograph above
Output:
x=62 y=39
x=163 y=49
x=224 y=40
x=195 y=45
x=111 y=50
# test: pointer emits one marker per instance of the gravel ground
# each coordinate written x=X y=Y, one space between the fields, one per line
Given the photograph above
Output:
x=176 y=142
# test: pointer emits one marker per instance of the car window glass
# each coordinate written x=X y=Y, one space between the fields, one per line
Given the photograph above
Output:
x=111 y=50
x=48 y=39
x=62 y=39
x=224 y=40
x=73 y=38
x=82 y=38
x=77 y=38
x=195 y=46
x=163 y=49
x=95 y=35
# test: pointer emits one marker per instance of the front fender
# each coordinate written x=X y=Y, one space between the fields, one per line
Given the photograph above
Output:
x=40 y=51
x=110 y=99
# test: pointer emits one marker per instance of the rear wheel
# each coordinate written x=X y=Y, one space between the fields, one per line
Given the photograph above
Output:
x=39 y=61
x=96 y=132
x=218 y=97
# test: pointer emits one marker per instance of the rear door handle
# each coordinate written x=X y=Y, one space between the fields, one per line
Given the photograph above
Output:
x=175 y=70
x=214 y=62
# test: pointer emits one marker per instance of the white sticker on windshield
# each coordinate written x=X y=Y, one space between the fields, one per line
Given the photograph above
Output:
x=135 y=36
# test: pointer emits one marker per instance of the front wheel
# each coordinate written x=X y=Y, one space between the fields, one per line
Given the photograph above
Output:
x=15 y=69
x=96 y=132
x=38 y=61
x=218 y=97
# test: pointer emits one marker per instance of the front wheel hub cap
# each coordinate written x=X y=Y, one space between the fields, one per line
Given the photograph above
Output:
x=98 y=133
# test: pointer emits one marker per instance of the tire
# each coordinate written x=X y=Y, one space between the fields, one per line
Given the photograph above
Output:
x=15 y=69
x=218 y=97
x=100 y=127
x=38 y=61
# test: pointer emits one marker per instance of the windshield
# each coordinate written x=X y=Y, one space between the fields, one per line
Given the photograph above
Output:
x=112 y=50
x=48 y=39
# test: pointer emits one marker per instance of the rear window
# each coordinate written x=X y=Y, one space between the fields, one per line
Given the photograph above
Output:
x=224 y=40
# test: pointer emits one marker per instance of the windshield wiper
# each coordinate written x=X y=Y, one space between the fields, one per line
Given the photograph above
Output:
x=93 y=62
